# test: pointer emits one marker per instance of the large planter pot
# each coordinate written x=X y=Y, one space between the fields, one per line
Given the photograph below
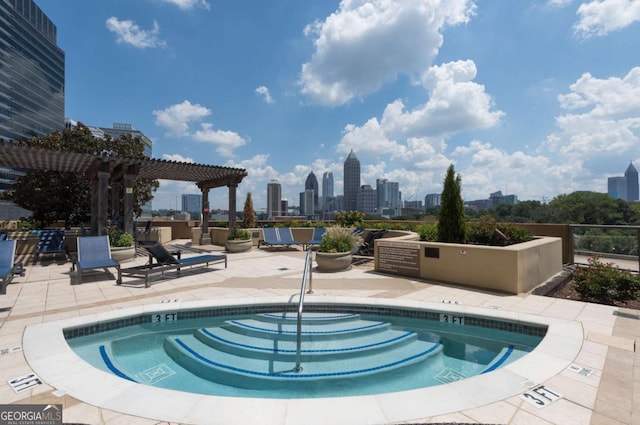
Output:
x=239 y=246
x=333 y=262
x=123 y=253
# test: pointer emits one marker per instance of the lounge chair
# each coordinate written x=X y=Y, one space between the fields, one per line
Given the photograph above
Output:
x=51 y=242
x=368 y=245
x=7 y=266
x=93 y=253
x=165 y=261
x=3 y=236
x=278 y=236
x=316 y=238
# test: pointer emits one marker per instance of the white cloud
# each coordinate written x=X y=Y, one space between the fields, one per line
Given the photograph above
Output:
x=606 y=121
x=177 y=118
x=128 y=32
x=189 y=4
x=264 y=92
x=456 y=104
x=226 y=141
x=176 y=157
x=366 y=43
x=600 y=17
x=559 y=3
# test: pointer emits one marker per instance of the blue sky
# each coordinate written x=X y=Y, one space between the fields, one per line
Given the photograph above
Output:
x=533 y=98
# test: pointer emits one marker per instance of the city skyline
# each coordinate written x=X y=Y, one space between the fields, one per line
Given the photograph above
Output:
x=537 y=98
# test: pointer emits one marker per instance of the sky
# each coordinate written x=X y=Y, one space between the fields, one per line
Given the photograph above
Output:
x=532 y=98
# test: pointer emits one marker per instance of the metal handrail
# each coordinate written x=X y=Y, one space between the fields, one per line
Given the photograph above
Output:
x=306 y=277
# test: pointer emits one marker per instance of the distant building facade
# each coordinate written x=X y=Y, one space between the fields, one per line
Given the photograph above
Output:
x=624 y=187
x=312 y=184
x=366 y=200
x=328 y=203
x=388 y=198
x=351 y=175
x=32 y=77
x=192 y=203
x=274 y=198
x=432 y=200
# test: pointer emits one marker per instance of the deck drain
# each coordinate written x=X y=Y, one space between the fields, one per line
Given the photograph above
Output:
x=10 y=350
x=283 y=268
x=24 y=382
x=580 y=370
x=627 y=315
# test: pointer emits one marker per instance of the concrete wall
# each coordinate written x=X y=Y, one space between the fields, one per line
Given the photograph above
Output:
x=513 y=269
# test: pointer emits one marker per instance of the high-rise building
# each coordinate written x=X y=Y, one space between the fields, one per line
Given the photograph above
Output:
x=327 y=191
x=31 y=76
x=307 y=202
x=274 y=198
x=631 y=174
x=432 y=200
x=617 y=187
x=366 y=200
x=351 y=176
x=312 y=184
x=388 y=194
x=192 y=203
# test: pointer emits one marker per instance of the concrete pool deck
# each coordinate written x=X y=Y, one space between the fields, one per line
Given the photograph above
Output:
x=602 y=388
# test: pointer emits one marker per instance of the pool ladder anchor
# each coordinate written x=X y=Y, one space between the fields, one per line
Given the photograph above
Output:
x=306 y=278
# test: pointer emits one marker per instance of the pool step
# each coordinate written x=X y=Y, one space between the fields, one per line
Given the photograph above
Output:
x=262 y=352
x=312 y=348
x=251 y=372
x=307 y=317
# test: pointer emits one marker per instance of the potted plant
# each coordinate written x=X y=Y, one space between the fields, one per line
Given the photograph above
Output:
x=239 y=240
x=335 y=252
x=121 y=242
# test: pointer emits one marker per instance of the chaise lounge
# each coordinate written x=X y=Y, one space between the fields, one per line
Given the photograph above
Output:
x=278 y=236
x=316 y=238
x=93 y=253
x=165 y=261
x=7 y=266
x=51 y=242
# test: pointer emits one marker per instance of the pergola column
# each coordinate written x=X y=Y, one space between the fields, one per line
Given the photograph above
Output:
x=99 y=200
x=205 y=238
x=232 y=205
x=129 y=179
x=116 y=198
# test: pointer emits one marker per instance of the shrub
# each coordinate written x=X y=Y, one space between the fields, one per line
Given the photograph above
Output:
x=238 y=234
x=428 y=232
x=248 y=215
x=338 y=239
x=605 y=283
x=118 y=238
x=350 y=218
x=451 y=224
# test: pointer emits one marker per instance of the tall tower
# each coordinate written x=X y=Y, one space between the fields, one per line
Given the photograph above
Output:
x=327 y=190
x=312 y=184
x=274 y=198
x=351 y=177
x=31 y=75
x=632 y=183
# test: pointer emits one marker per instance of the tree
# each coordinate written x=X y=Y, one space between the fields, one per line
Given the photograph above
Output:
x=249 y=216
x=451 y=224
x=55 y=195
x=591 y=208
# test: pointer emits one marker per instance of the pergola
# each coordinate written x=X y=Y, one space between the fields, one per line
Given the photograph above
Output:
x=119 y=174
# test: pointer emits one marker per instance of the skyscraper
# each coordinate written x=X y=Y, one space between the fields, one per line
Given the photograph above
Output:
x=327 y=191
x=312 y=184
x=617 y=187
x=192 y=203
x=274 y=198
x=388 y=194
x=632 y=183
x=31 y=75
x=351 y=175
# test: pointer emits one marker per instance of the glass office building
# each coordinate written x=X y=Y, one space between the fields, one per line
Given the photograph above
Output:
x=31 y=75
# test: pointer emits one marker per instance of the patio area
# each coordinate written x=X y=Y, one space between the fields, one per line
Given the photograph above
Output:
x=602 y=386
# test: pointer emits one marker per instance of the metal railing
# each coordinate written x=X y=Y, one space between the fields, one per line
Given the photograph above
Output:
x=306 y=277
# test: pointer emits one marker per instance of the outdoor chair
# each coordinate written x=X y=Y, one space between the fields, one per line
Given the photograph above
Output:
x=8 y=267
x=3 y=236
x=165 y=261
x=316 y=238
x=277 y=237
x=368 y=245
x=51 y=242
x=93 y=253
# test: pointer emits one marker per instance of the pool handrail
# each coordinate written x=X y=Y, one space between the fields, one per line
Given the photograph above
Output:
x=306 y=277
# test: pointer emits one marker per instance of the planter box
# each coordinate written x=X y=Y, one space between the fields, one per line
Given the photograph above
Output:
x=333 y=262
x=239 y=245
x=513 y=269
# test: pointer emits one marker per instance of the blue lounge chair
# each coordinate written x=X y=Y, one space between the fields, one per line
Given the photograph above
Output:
x=94 y=253
x=165 y=261
x=316 y=238
x=278 y=236
x=3 y=236
x=51 y=242
x=7 y=266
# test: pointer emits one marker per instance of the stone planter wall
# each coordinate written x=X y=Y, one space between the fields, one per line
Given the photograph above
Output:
x=513 y=269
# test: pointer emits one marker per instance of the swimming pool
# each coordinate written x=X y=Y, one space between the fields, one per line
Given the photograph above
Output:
x=342 y=353
x=48 y=353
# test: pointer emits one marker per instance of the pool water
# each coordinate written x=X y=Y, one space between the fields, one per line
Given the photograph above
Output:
x=342 y=354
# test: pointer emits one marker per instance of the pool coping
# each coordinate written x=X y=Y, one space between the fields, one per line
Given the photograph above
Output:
x=49 y=355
